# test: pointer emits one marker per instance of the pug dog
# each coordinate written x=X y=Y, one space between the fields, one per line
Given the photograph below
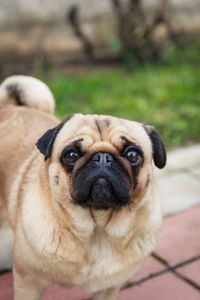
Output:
x=79 y=195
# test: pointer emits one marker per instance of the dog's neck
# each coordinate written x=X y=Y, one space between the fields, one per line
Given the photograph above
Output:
x=101 y=217
x=114 y=223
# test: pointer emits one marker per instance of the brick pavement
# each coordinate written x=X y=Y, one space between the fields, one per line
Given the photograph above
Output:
x=173 y=270
x=171 y=273
x=179 y=181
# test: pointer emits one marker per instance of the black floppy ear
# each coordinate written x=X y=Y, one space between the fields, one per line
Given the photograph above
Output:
x=45 y=143
x=159 y=152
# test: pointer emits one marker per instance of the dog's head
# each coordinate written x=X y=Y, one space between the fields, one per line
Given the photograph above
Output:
x=101 y=162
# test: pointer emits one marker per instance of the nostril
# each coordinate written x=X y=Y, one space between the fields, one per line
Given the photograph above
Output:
x=108 y=157
x=97 y=157
x=102 y=158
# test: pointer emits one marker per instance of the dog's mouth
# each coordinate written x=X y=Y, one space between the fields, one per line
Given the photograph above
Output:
x=102 y=194
x=101 y=189
x=101 y=183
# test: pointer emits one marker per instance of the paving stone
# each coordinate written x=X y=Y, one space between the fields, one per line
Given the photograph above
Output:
x=165 y=287
x=6 y=286
x=182 y=158
x=196 y=172
x=179 y=191
x=179 y=239
x=191 y=271
x=178 y=182
x=150 y=266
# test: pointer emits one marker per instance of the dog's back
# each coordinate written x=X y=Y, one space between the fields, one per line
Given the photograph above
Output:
x=26 y=108
x=26 y=105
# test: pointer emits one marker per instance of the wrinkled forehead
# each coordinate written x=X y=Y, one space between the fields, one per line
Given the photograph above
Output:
x=101 y=129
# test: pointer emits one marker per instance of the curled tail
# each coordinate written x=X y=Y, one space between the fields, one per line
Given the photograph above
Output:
x=27 y=91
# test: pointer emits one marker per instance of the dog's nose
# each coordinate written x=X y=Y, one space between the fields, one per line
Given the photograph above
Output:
x=102 y=158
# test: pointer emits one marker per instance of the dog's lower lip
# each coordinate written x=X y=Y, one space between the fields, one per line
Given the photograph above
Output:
x=102 y=177
x=101 y=180
x=101 y=188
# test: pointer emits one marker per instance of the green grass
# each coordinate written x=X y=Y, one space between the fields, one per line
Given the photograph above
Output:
x=167 y=96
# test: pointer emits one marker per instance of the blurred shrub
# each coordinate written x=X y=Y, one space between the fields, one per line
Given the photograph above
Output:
x=166 y=95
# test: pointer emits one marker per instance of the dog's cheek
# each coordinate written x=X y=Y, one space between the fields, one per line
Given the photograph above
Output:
x=145 y=177
x=144 y=180
x=60 y=182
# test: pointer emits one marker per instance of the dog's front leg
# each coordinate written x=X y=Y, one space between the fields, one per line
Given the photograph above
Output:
x=109 y=294
x=26 y=288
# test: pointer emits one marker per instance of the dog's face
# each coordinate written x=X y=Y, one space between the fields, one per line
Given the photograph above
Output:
x=101 y=162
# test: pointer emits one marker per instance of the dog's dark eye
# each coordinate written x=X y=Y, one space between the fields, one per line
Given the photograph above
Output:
x=71 y=156
x=133 y=155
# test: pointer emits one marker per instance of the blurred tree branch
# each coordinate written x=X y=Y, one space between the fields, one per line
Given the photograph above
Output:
x=135 y=32
x=74 y=19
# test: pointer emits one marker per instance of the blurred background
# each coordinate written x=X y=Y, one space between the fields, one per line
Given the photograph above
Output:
x=136 y=59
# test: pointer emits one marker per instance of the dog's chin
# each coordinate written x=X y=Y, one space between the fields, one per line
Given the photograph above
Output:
x=100 y=205
x=102 y=196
